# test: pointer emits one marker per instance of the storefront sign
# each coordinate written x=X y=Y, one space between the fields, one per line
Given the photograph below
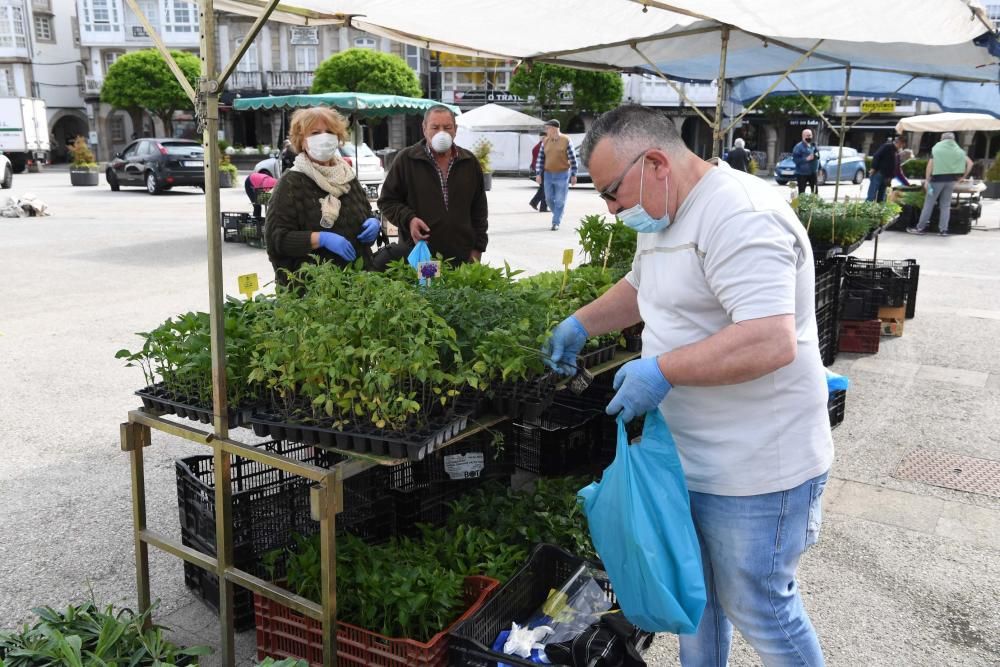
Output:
x=485 y=96
x=304 y=35
x=878 y=106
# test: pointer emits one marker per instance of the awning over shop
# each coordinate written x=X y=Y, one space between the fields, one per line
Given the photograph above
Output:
x=363 y=105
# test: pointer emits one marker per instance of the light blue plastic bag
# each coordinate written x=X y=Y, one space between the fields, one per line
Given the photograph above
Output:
x=640 y=522
x=836 y=382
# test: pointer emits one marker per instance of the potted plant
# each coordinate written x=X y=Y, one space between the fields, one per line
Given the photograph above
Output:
x=992 y=179
x=83 y=167
x=227 y=172
x=482 y=152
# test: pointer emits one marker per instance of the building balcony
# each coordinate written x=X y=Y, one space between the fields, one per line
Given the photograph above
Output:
x=289 y=81
x=245 y=81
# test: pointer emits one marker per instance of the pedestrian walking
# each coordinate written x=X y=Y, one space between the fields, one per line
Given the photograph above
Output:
x=556 y=169
x=538 y=201
x=739 y=157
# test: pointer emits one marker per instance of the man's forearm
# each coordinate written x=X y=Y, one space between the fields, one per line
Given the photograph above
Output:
x=739 y=353
x=613 y=311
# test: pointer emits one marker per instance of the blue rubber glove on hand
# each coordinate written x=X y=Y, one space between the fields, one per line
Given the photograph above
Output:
x=369 y=230
x=338 y=245
x=560 y=350
x=641 y=387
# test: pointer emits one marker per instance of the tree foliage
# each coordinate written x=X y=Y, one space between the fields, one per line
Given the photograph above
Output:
x=366 y=71
x=778 y=108
x=595 y=92
x=142 y=80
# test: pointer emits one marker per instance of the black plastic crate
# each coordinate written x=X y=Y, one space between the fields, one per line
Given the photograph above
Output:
x=828 y=332
x=836 y=406
x=205 y=584
x=861 y=304
x=828 y=277
x=548 y=568
x=484 y=455
x=562 y=439
x=231 y=222
x=898 y=275
x=431 y=503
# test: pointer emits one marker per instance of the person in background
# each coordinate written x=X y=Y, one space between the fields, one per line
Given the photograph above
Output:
x=885 y=165
x=538 y=201
x=556 y=169
x=948 y=165
x=723 y=280
x=318 y=210
x=806 y=158
x=256 y=183
x=739 y=157
x=434 y=192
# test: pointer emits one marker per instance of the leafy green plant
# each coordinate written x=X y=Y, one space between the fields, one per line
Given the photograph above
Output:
x=605 y=243
x=226 y=165
x=88 y=635
x=993 y=173
x=178 y=353
x=482 y=152
x=915 y=168
x=81 y=157
x=842 y=223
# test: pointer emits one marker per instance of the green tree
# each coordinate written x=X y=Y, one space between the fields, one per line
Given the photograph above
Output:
x=595 y=92
x=142 y=80
x=366 y=71
x=778 y=108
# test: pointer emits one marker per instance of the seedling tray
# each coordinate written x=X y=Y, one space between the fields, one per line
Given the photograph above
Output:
x=364 y=439
x=155 y=397
x=599 y=356
x=285 y=633
x=525 y=400
x=476 y=457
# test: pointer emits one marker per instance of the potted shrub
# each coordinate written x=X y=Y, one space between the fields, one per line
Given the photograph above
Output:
x=992 y=179
x=83 y=167
x=482 y=152
x=227 y=172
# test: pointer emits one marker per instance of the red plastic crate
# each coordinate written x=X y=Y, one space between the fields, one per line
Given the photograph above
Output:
x=862 y=337
x=285 y=633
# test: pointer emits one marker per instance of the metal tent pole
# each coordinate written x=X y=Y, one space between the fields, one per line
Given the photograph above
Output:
x=843 y=132
x=720 y=92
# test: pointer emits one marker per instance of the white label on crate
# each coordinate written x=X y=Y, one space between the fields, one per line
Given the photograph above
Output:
x=464 y=466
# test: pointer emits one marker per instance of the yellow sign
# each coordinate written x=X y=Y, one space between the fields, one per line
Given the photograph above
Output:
x=248 y=284
x=567 y=257
x=878 y=106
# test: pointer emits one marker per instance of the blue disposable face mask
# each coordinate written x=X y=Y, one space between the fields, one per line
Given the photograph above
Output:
x=638 y=218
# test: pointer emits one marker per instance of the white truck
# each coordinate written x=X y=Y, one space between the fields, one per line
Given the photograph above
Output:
x=24 y=131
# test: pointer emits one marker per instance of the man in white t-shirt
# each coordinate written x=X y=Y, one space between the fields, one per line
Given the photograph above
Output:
x=723 y=280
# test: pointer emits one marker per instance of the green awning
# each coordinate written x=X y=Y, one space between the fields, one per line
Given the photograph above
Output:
x=365 y=105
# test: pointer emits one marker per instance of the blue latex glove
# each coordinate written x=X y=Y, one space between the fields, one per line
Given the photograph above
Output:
x=338 y=245
x=369 y=230
x=641 y=387
x=560 y=350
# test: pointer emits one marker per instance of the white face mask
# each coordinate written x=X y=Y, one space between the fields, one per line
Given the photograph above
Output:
x=322 y=147
x=441 y=142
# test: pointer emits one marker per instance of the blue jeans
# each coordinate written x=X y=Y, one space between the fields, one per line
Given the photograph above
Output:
x=556 y=185
x=750 y=548
x=876 y=187
x=938 y=192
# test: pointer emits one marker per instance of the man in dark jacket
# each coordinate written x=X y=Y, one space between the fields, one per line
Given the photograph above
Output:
x=885 y=165
x=434 y=192
x=739 y=157
x=806 y=158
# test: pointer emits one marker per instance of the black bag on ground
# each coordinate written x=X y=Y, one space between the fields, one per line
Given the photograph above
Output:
x=613 y=642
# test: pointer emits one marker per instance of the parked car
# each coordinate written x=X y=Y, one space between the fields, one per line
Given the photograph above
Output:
x=8 y=172
x=851 y=169
x=368 y=167
x=158 y=165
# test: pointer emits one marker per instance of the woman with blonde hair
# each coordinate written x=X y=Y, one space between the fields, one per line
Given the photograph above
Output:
x=318 y=210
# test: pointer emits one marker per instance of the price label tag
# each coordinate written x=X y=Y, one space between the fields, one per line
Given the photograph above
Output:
x=248 y=284
x=567 y=257
x=464 y=466
x=428 y=271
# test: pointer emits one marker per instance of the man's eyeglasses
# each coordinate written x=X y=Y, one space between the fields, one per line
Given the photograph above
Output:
x=610 y=193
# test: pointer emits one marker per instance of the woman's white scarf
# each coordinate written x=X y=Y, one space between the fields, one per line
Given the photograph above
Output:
x=334 y=179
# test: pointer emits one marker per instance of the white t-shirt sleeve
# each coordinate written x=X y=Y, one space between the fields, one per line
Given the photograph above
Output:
x=751 y=262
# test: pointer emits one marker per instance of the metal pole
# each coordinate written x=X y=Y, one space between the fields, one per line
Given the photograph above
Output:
x=843 y=132
x=720 y=92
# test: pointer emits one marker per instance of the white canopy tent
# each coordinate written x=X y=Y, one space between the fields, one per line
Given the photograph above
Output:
x=949 y=122
x=692 y=40
x=495 y=118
